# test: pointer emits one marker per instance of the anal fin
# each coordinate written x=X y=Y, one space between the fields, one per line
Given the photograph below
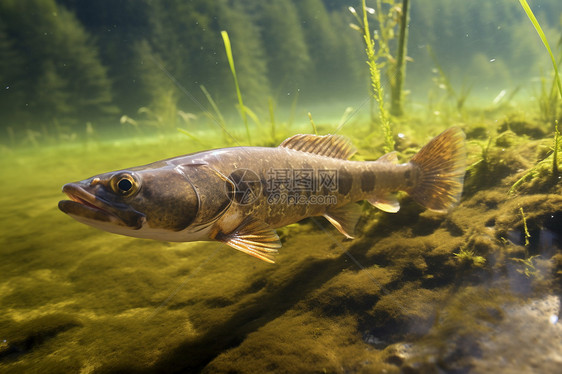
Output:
x=387 y=203
x=255 y=238
x=344 y=218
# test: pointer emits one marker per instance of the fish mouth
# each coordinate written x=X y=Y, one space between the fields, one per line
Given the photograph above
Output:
x=83 y=205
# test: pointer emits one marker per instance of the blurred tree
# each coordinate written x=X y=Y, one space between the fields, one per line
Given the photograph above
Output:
x=52 y=93
x=186 y=36
x=117 y=26
x=286 y=51
x=321 y=39
x=12 y=92
x=58 y=59
x=237 y=18
x=351 y=69
x=66 y=64
x=160 y=102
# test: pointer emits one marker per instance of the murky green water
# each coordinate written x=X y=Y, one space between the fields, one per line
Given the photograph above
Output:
x=475 y=290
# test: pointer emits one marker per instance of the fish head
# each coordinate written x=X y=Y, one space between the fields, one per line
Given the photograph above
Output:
x=138 y=202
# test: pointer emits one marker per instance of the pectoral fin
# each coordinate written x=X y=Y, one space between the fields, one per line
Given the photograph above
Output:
x=387 y=203
x=344 y=218
x=255 y=238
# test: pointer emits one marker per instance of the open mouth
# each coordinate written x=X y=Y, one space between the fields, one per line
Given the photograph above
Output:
x=84 y=204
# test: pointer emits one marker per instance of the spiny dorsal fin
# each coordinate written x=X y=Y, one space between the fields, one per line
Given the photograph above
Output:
x=335 y=146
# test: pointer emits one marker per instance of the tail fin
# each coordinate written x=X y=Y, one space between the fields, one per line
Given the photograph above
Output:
x=442 y=164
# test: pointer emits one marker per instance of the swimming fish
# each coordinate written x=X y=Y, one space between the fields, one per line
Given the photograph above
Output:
x=239 y=195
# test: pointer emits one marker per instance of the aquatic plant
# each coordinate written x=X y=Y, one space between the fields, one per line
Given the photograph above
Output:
x=468 y=256
x=162 y=111
x=271 y=107
x=553 y=99
x=218 y=118
x=548 y=100
x=542 y=36
x=279 y=134
x=375 y=67
x=529 y=267
x=230 y=58
x=128 y=120
x=397 y=14
x=525 y=228
x=541 y=167
x=312 y=123
x=31 y=137
x=187 y=118
x=482 y=168
x=538 y=28
x=399 y=77
x=443 y=82
x=555 y=170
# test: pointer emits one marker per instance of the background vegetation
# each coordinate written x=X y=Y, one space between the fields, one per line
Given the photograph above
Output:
x=69 y=62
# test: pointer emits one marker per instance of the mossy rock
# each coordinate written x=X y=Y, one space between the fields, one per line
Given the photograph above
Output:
x=531 y=129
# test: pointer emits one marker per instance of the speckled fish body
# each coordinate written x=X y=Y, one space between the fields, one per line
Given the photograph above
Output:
x=240 y=195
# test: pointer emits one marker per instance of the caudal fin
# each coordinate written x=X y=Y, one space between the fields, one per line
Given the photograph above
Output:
x=442 y=165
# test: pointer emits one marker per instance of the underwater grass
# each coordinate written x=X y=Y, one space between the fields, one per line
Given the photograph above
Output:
x=376 y=82
x=555 y=170
x=538 y=27
x=548 y=100
x=542 y=36
x=526 y=229
x=446 y=82
x=396 y=95
x=312 y=123
x=218 y=117
x=375 y=74
x=228 y=49
x=271 y=108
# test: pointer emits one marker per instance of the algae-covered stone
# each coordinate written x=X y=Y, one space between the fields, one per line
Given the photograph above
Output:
x=521 y=127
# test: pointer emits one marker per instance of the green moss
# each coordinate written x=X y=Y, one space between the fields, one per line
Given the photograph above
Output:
x=468 y=256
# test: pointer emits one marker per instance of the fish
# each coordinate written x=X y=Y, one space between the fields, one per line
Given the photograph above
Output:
x=240 y=195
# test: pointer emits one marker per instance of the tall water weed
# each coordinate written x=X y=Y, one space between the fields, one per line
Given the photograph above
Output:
x=374 y=71
x=541 y=34
x=230 y=58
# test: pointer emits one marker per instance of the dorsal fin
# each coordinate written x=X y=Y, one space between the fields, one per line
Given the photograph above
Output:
x=335 y=146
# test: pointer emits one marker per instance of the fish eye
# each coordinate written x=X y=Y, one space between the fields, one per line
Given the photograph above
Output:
x=124 y=184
